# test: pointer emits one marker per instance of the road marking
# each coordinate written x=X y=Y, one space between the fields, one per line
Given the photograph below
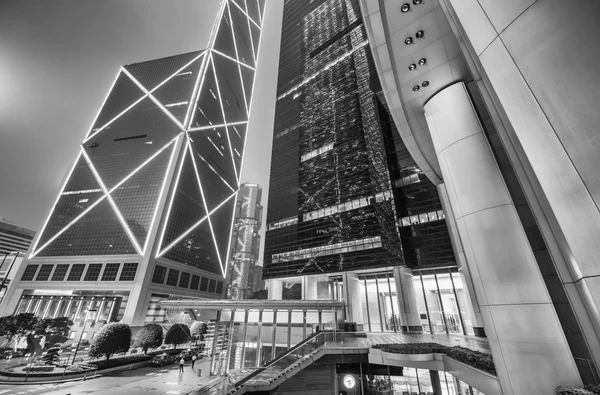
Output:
x=173 y=392
x=4 y=391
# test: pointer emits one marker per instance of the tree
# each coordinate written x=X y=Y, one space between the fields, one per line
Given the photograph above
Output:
x=150 y=336
x=111 y=338
x=178 y=334
x=14 y=327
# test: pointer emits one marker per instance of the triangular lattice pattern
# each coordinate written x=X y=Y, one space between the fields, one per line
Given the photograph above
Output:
x=198 y=101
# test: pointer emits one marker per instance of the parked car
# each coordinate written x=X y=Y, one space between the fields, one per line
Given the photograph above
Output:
x=187 y=355
x=161 y=360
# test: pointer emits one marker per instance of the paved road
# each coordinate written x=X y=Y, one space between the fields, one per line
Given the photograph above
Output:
x=144 y=381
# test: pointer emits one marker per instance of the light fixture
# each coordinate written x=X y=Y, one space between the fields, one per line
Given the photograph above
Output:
x=416 y=88
x=412 y=66
x=425 y=84
x=408 y=40
x=405 y=7
x=422 y=61
x=420 y=34
x=417 y=2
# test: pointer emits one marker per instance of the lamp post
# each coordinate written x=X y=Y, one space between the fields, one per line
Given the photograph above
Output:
x=82 y=331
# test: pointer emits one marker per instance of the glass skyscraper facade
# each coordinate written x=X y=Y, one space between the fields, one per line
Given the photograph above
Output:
x=331 y=205
x=147 y=209
x=344 y=194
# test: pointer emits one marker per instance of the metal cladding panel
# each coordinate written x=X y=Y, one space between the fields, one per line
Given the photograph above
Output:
x=123 y=94
x=131 y=140
x=188 y=207
x=98 y=232
x=137 y=198
x=230 y=89
x=197 y=249
x=176 y=94
x=150 y=74
x=81 y=191
x=224 y=41
x=241 y=29
x=237 y=138
x=208 y=110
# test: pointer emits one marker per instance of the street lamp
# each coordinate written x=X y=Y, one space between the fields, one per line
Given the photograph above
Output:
x=82 y=331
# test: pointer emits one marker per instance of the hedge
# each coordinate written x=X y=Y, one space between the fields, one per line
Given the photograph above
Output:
x=477 y=359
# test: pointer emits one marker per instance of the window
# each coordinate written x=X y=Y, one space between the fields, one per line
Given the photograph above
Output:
x=44 y=273
x=184 y=281
x=195 y=282
x=219 y=287
x=211 y=285
x=93 y=272
x=110 y=271
x=128 y=272
x=60 y=272
x=159 y=274
x=72 y=335
x=204 y=284
x=76 y=272
x=172 y=277
x=29 y=272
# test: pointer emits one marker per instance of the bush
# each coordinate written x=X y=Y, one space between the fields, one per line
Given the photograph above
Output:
x=413 y=348
x=199 y=329
x=39 y=369
x=110 y=339
x=589 y=389
x=178 y=334
x=349 y=326
x=150 y=336
x=477 y=359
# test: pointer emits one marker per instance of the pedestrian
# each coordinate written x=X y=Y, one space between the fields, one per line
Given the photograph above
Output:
x=181 y=362
x=193 y=360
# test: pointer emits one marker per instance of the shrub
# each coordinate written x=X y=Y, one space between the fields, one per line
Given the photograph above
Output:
x=593 y=388
x=477 y=359
x=110 y=339
x=349 y=326
x=178 y=334
x=572 y=391
x=150 y=336
x=199 y=329
x=39 y=369
x=120 y=361
x=52 y=356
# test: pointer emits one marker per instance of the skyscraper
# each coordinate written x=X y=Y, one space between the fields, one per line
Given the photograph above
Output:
x=14 y=238
x=350 y=213
x=245 y=240
x=147 y=207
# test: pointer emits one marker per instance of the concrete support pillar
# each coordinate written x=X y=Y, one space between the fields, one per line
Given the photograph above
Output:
x=275 y=289
x=309 y=288
x=472 y=307
x=519 y=318
x=435 y=382
x=353 y=300
x=410 y=319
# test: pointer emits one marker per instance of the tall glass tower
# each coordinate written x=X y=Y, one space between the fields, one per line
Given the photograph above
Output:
x=331 y=206
x=147 y=208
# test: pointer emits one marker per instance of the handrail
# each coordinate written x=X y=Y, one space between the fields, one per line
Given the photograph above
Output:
x=279 y=358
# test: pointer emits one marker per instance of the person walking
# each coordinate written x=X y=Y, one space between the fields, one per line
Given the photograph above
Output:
x=193 y=360
x=181 y=362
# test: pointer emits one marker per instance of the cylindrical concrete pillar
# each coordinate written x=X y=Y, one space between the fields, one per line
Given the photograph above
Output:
x=410 y=319
x=309 y=288
x=519 y=318
x=275 y=289
x=472 y=306
x=353 y=300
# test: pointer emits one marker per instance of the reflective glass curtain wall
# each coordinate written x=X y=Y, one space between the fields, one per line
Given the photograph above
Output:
x=330 y=205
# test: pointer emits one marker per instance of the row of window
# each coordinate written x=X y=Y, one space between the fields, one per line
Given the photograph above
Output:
x=331 y=249
x=316 y=152
x=282 y=223
x=347 y=206
x=75 y=271
x=422 y=218
x=175 y=278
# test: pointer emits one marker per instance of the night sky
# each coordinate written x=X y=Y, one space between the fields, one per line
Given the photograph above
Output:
x=58 y=60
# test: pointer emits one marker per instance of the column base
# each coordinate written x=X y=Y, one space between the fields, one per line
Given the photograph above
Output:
x=479 y=331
